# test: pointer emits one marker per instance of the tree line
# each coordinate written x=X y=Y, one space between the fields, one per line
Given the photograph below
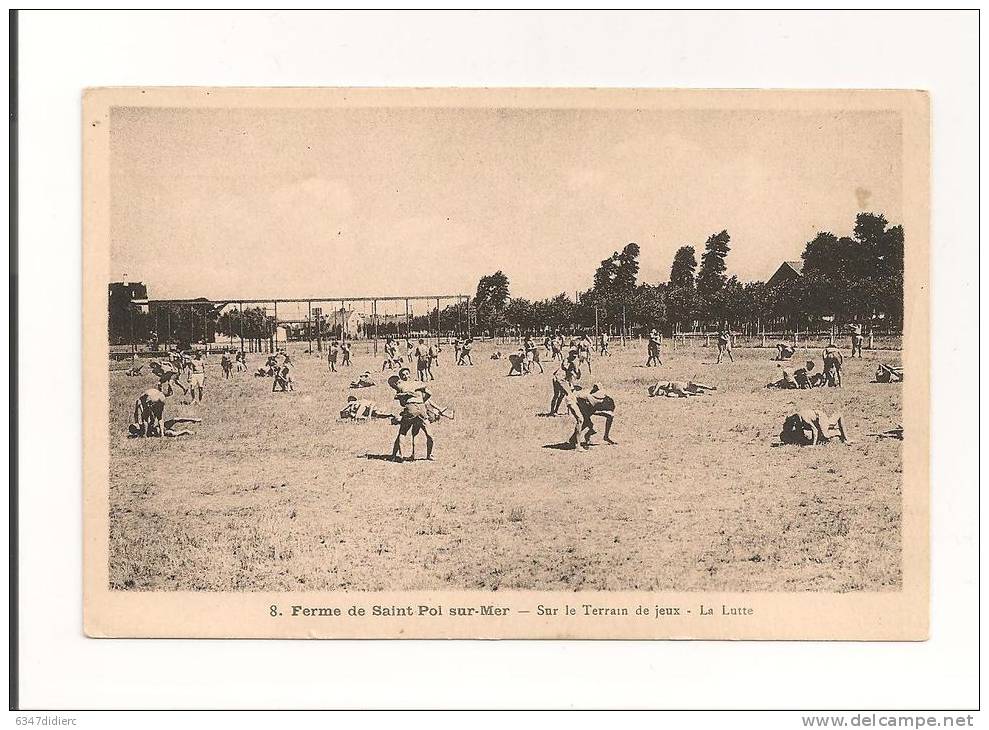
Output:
x=852 y=278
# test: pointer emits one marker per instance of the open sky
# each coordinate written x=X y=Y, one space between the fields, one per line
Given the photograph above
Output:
x=246 y=203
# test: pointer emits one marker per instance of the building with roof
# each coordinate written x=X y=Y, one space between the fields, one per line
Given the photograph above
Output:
x=789 y=271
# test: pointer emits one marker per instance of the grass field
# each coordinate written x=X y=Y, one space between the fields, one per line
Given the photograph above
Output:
x=273 y=492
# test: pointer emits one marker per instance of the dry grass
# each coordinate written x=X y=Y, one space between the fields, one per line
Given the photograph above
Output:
x=274 y=493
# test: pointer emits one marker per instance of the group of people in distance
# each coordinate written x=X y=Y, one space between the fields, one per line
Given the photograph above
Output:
x=805 y=377
x=277 y=366
x=557 y=347
x=462 y=351
x=417 y=409
x=653 y=347
x=424 y=356
x=526 y=360
x=170 y=370
x=148 y=418
x=236 y=364
x=724 y=344
x=338 y=350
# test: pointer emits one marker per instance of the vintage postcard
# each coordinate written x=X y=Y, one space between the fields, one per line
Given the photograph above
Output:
x=506 y=363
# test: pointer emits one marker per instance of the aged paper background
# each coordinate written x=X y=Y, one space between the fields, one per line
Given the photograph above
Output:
x=899 y=615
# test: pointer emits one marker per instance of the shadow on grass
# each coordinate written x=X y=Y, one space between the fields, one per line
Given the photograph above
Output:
x=562 y=446
x=394 y=460
x=381 y=457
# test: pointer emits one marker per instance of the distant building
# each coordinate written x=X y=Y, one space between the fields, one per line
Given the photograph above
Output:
x=788 y=272
x=387 y=320
x=346 y=323
x=126 y=314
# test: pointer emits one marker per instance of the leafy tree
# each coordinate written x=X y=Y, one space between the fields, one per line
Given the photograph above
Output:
x=648 y=307
x=730 y=302
x=711 y=277
x=555 y=312
x=519 y=314
x=627 y=273
x=490 y=301
x=886 y=245
x=614 y=285
x=857 y=277
x=252 y=323
x=680 y=293
x=758 y=303
x=606 y=274
x=684 y=267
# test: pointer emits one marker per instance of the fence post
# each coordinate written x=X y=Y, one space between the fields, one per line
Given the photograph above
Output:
x=870 y=339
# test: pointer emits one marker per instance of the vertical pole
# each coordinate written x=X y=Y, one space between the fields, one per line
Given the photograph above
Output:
x=319 y=331
x=374 y=309
x=597 y=332
x=276 y=327
x=468 y=317
x=309 y=328
x=437 y=321
x=408 y=322
x=241 y=319
x=624 y=325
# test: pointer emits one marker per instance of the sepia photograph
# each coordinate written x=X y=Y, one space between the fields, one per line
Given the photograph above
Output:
x=494 y=360
x=501 y=341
